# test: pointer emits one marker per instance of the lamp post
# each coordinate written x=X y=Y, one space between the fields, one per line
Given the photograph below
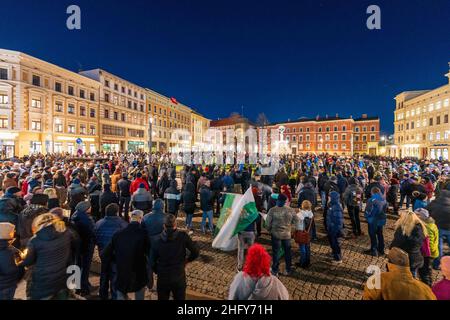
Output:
x=150 y=137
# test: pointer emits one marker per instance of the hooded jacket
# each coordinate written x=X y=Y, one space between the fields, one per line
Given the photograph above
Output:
x=375 y=212
x=134 y=186
x=245 y=287
x=399 y=284
x=439 y=209
x=153 y=222
x=335 y=215
x=353 y=196
x=49 y=252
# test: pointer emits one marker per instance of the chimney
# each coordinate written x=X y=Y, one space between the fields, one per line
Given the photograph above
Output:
x=364 y=116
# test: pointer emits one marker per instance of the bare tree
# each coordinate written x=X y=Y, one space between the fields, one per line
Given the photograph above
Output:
x=262 y=120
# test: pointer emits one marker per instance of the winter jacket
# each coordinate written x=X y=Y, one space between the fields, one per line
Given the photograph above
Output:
x=228 y=182
x=25 y=221
x=173 y=196
x=322 y=180
x=142 y=200
x=76 y=194
x=136 y=183
x=370 y=186
x=307 y=193
x=335 y=216
x=162 y=185
x=128 y=249
x=245 y=287
x=375 y=212
x=399 y=284
x=153 y=223
x=169 y=255
x=342 y=183
x=439 y=210
x=107 y=197
x=53 y=203
x=433 y=236
x=353 y=196
x=49 y=252
x=85 y=226
x=10 y=208
x=392 y=193
x=279 y=221
x=114 y=180
x=188 y=198
x=105 y=230
x=206 y=198
x=10 y=273
x=123 y=187
x=410 y=244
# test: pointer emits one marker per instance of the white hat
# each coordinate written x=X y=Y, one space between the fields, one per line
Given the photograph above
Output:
x=7 y=231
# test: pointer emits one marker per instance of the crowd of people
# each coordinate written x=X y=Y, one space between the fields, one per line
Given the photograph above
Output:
x=56 y=211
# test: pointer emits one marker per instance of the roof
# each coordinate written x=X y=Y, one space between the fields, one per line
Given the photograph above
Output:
x=324 y=119
x=229 y=121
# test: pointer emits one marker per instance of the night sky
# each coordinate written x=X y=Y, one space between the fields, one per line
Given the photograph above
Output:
x=287 y=59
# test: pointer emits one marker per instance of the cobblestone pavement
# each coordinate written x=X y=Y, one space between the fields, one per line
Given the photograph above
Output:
x=209 y=276
x=213 y=272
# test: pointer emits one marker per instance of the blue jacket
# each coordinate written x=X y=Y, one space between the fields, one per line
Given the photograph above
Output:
x=85 y=226
x=105 y=229
x=335 y=215
x=228 y=182
x=419 y=204
x=342 y=183
x=376 y=210
x=206 y=199
x=153 y=223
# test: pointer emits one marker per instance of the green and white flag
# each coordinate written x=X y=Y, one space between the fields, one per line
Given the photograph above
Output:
x=237 y=213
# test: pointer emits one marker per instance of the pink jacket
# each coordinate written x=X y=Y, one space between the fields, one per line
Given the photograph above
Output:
x=442 y=289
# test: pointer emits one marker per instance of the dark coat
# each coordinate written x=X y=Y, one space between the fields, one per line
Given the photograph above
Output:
x=85 y=226
x=153 y=223
x=10 y=207
x=107 y=197
x=105 y=230
x=206 y=198
x=307 y=193
x=169 y=256
x=410 y=245
x=123 y=186
x=10 y=273
x=392 y=193
x=172 y=195
x=76 y=194
x=439 y=210
x=53 y=203
x=25 y=221
x=188 y=198
x=128 y=249
x=322 y=180
x=49 y=252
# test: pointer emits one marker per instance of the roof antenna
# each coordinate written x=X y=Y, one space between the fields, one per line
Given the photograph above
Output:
x=242 y=111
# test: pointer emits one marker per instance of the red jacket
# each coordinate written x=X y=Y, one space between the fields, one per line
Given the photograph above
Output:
x=135 y=185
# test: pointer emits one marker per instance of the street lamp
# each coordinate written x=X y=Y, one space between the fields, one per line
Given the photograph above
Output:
x=150 y=136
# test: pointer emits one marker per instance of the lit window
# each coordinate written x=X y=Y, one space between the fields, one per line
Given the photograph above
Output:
x=438 y=136
x=4 y=99
x=431 y=107
x=438 y=105
x=446 y=102
x=36 y=125
x=431 y=136
x=71 y=128
x=4 y=123
x=36 y=103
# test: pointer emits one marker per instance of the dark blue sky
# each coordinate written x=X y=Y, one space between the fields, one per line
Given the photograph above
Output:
x=285 y=58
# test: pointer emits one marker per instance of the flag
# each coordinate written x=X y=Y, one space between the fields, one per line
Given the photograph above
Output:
x=237 y=213
x=230 y=199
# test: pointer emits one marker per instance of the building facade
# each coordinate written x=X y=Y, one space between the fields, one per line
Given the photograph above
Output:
x=168 y=115
x=335 y=135
x=199 y=126
x=123 y=115
x=45 y=108
x=421 y=124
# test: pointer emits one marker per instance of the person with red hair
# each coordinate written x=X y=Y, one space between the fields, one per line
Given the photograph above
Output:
x=256 y=282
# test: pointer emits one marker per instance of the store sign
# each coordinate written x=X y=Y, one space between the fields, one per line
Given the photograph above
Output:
x=136 y=143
